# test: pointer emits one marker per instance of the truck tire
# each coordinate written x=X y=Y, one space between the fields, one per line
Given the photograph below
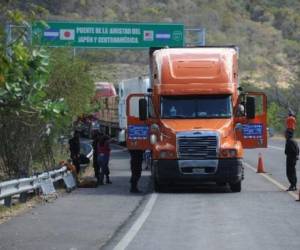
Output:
x=236 y=187
x=158 y=187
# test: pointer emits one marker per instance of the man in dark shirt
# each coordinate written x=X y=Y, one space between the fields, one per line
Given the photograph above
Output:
x=292 y=154
x=96 y=137
x=74 y=144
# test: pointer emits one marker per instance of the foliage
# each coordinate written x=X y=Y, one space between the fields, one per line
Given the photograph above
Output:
x=25 y=109
x=276 y=117
x=40 y=93
x=69 y=79
x=266 y=31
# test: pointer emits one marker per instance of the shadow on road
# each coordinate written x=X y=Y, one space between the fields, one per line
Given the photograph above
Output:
x=203 y=189
x=120 y=187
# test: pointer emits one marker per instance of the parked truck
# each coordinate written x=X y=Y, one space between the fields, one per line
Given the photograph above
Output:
x=195 y=119
x=126 y=87
x=105 y=119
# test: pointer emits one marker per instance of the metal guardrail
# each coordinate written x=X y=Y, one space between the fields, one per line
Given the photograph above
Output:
x=42 y=181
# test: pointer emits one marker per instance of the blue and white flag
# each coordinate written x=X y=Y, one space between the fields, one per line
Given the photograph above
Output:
x=163 y=36
x=51 y=34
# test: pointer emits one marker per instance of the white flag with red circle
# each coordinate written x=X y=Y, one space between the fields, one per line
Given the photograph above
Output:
x=67 y=34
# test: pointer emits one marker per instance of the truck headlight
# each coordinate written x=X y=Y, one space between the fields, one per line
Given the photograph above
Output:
x=229 y=152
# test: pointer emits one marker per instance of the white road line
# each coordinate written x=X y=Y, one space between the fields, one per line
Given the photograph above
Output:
x=278 y=148
x=129 y=236
x=276 y=183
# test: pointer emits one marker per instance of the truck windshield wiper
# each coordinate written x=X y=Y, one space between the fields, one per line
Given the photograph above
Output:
x=178 y=116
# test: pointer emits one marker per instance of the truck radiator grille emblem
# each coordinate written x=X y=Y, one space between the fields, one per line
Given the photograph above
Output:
x=202 y=147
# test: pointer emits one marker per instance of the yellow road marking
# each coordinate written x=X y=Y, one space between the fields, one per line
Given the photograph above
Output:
x=276 y=183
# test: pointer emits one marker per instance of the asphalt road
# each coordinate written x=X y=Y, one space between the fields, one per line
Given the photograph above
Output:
x=262 y=216
x=274 y=160
x=83 y=220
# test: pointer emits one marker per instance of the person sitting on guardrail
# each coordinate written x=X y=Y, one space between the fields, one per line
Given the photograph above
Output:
x=74 y=144
x=103 y=154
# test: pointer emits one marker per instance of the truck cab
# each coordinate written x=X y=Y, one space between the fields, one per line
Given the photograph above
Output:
x=196 y=120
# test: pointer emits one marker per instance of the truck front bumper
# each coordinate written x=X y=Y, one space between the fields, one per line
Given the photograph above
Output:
x=171 y=172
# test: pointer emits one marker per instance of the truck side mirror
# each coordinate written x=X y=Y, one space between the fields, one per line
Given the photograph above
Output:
x=143 y=109
x=250 y=107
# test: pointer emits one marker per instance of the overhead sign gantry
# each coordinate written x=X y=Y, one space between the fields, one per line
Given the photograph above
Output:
x=107 y=35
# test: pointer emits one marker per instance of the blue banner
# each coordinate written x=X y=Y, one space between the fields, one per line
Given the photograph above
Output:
x=253 y=131
x=138 y=132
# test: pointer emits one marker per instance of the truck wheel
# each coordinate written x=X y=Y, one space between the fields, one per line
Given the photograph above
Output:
x=157 y=186
x=236 y=187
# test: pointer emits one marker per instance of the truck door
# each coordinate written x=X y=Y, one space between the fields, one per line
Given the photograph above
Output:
x=251 y=120
x=137 y=136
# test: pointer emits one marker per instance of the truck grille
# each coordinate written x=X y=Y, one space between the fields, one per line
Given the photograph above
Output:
x=204 y=147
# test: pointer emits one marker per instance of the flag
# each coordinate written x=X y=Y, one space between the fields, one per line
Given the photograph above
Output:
x=67 y=34
x=163 y=36
x=148 y=35
x=51 y=34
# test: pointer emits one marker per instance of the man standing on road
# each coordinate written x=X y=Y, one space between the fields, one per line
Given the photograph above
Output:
x=136 y=160
x=103 y=155
x=292 y=154
x=96 y=137
x=74 y=144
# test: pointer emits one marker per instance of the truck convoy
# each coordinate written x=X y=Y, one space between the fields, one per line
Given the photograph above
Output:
x=195 y=119
x=107 y=116
x=111 y=117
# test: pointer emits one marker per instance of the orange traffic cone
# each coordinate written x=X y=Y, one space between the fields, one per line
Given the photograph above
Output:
x=260 y=165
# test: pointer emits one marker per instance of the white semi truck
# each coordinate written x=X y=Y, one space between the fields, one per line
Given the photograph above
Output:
x=126 y=87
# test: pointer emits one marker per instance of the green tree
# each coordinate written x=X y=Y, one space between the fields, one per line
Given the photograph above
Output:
x=275 y=120
x=41 y=92
x=70 y=79
x=25 y=108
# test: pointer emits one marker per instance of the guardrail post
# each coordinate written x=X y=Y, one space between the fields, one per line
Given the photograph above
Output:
x=7 y=201
x=23 y=197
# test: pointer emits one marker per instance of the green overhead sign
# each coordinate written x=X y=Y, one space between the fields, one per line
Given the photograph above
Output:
x=107 y=35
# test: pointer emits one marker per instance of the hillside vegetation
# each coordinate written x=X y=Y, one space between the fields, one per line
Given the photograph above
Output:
x=42 y=90
x=266 y=31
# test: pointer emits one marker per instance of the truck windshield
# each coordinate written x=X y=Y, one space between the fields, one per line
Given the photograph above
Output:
x=187 y=107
